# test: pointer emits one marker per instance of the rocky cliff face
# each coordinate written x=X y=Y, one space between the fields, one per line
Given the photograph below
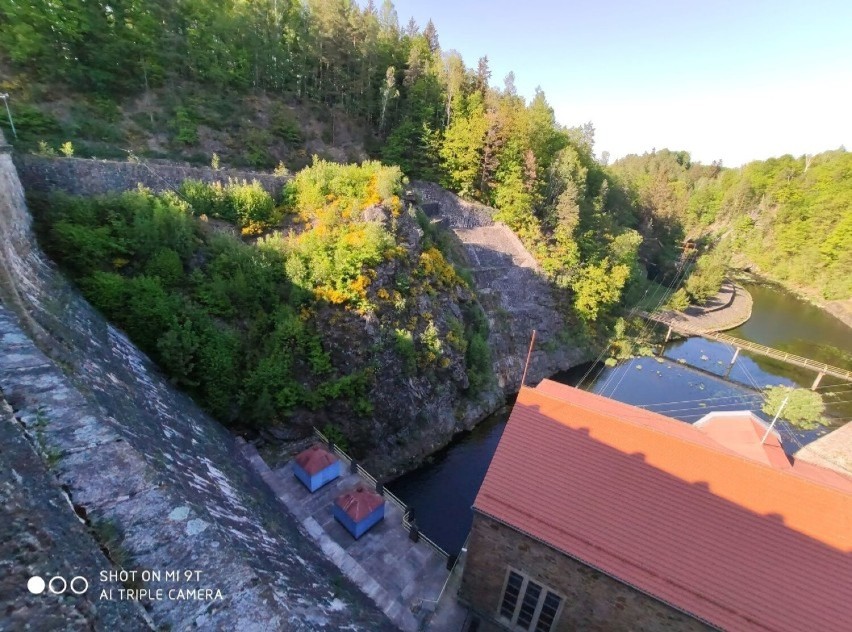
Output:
x=417 y=409
x=420 y=400
x=159 y=484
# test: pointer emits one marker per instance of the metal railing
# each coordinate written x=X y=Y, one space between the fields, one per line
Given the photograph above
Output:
x=769 y=352
x=407 y=523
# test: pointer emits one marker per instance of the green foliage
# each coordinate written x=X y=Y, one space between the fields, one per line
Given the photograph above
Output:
x=787 y=216
x=598 y=288
x=706 y=278
x=246 y=204
x=221 y=318
x=166 y=266
x=285 y=126
x=478 y=359
x=461 y=148
x=186 y=129
x=31 y=123
x=239 y=326
x=404 y=345
x=336 y=436
x=804 y=408
x=679 y=301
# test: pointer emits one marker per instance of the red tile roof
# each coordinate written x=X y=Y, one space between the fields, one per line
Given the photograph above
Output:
x=742 y=432
x=315 y=459
x=359 y=503
x=738 y=541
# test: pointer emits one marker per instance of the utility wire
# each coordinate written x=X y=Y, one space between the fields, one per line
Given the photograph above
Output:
x=669 y=289
x=649 y=324
x=687 y=401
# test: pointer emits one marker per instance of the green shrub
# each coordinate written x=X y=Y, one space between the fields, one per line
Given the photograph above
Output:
x=478 y=360
x=30 y=122
x=207 y=199
x=250 y=203
x=166 y=266
x=404 y=346
x=185 y=126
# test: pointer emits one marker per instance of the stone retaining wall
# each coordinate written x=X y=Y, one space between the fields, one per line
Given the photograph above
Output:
x=79 y=176
x=516 y=298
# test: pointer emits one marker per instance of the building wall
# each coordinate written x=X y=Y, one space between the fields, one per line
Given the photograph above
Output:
x=593 y=601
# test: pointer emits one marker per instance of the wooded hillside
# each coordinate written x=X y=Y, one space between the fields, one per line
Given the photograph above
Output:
x=272 y=81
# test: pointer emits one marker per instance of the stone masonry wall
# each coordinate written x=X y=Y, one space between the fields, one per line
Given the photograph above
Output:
x=144 y=467
x=593 y=600
x=79 y=176
x=516 y=298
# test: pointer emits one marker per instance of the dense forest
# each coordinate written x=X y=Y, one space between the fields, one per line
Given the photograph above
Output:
x=423 y=108
x=166 y=77
x=788 y=218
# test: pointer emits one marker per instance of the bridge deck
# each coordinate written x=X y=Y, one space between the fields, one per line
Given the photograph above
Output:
x=769 y=352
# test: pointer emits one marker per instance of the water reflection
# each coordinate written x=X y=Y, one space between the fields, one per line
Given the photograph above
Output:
x=693 y=377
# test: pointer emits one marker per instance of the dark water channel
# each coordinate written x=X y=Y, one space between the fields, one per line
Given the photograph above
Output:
x=691 y=378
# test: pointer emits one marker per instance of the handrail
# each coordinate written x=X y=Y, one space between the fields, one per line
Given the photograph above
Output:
x=405 y=509
x=751 y=346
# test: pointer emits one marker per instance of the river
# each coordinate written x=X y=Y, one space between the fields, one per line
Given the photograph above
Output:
x=687 y=382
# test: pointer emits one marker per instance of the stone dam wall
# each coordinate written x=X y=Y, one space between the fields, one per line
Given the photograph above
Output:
x=131 y=474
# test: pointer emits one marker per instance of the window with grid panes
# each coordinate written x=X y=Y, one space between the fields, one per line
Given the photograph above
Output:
x=527 y=604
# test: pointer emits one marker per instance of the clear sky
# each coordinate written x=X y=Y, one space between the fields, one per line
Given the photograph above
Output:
x=736 y=80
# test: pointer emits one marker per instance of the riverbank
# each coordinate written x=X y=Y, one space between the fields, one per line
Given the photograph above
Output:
x=730 y=308
x=841 y=309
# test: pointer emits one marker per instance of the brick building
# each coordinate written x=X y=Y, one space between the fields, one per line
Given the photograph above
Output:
x=597 y=515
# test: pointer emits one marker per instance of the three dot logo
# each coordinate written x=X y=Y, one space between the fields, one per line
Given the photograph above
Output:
x=58 y=585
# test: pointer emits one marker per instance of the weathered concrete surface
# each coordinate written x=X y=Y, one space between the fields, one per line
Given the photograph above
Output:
x=514 y=295
x=833 y=451
x=402 y=577
x=137 y=456
x=40 y=535
x=83 y=176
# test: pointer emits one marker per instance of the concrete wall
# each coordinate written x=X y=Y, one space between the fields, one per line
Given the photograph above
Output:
x=593 y=601
x=131 y=452
x=79 y=176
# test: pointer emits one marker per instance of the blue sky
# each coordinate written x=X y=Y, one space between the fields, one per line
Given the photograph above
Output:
x=728 y=80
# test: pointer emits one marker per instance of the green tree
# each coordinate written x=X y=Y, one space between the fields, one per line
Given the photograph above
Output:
x=461 y=148
x=804 y=408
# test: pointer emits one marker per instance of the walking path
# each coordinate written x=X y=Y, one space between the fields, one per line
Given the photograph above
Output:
x=730 y=308
x=406 y=579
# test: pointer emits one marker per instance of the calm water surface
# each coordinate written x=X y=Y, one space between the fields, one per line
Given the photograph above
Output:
x=692 y=378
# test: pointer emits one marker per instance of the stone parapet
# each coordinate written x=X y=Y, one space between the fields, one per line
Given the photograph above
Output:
x=80 y=176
